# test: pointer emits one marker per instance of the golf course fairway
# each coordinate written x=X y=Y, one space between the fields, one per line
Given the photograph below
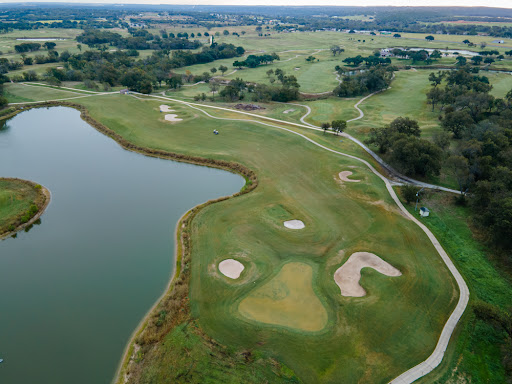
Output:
x=285 y=305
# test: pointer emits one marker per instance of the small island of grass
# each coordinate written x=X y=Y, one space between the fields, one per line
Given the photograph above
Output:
x=21 y=203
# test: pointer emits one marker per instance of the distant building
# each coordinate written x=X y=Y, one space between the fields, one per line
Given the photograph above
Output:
x=124 y=91
x=385 y=53
x=424 y=212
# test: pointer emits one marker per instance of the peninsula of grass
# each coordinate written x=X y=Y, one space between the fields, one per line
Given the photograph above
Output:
x=21 y=203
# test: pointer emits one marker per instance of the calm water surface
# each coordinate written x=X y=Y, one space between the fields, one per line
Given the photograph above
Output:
x=73 y=288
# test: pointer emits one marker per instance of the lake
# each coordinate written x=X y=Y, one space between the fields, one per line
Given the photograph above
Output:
x=73 y=288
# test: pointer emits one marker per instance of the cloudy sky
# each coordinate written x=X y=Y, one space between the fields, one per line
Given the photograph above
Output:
x=465 y=3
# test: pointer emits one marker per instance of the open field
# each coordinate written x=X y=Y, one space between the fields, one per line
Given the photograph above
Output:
x=361 y=337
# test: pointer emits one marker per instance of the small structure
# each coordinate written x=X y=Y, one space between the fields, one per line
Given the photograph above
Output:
x=424 y=212
x=498 y=42
x=124 y=91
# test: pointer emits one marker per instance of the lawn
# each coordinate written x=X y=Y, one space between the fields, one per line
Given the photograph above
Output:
x=361 y=338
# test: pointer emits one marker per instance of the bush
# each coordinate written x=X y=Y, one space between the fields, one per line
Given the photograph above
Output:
x=409 y=192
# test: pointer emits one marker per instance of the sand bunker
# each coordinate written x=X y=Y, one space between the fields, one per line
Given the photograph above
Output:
x=231 y=268
x=166 y=108
x=172 y=117
x=344 y=177
x=289 y=110
x=348 y=275
x=294 y=224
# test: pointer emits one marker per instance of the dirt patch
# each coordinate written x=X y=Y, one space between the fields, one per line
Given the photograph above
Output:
x=248 y=107
x=294 y=224
x=348 y=275
x=289 y=110
x=344 y=177
x=231 y=268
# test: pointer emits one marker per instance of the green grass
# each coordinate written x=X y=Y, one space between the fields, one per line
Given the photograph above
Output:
x=407 y=97
x=362 y=338
x=16 y=198
x=477 y=352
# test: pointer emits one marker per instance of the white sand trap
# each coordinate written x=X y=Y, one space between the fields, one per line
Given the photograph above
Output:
x=172 y=117
x=289 y=110
x=344 y=177
x=231 y=268
x=348 y=275
x=294 y=224
x=166 y=108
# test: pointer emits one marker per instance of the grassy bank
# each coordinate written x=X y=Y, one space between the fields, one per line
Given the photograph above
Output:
x=478 y=353
x=20 y=201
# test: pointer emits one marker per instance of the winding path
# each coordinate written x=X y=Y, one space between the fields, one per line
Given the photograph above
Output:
x=437 y=355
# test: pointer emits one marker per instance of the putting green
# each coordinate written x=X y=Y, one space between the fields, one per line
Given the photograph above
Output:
x=287 y=300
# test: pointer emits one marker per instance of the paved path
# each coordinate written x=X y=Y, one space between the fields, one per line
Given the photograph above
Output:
x=393 y=172
x=437 y=355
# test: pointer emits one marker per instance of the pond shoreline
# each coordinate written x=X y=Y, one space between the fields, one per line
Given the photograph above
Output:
x=182 y=232
x=47 y=198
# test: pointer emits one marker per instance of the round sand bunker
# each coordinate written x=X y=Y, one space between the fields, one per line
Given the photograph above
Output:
x=294 y=224
x=344 y=177
x=166 y=108
x=231 y=268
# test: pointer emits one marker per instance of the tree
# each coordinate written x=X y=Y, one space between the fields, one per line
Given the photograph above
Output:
x=434 y=79
x=429 y=38
x=225 y=32
x=79 y=46
x=477 y=59
x=270 y=72
x=406 y=126
x=461 y=61
x=326 y=126
x=459 y=167
x=408 y=192
x=49 y=45
x=223 y=69
x=415 y=156
x=336 y=50
x=434 y=97
x=338 y=126
x=466 y=41
x=214 y=87
x=310 y=58
x=397 y=35
x=457 y=122
x=488 y=60
x=213 y=70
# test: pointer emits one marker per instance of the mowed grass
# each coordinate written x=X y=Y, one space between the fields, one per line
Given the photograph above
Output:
x=406 y=98
x=16 y=197
x=287 y=300
x=372 y=338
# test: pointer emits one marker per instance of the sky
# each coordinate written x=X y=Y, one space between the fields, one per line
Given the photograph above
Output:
x=463 y=3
